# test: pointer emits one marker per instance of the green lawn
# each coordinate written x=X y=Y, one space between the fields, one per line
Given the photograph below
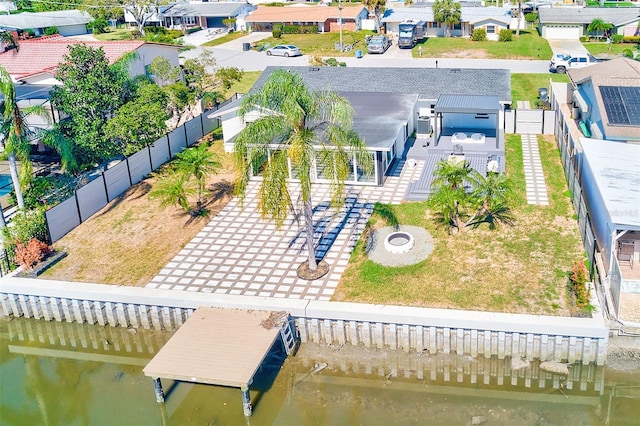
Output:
x=528 y=46
x=602 y=48
x=225 y=38
x=118 y=34
x=524 y=87
x=519 y=269
x=322 y=44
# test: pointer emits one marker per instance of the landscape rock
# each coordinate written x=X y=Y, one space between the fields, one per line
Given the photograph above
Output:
x=555 y=367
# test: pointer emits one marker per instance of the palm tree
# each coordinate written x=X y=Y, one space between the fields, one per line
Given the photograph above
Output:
x=13 y=134
x=171 y=190
x=599 y=26
x=485 y=202
x=447 y=12
x=449 y=195
x=194 y=163
x=301 y=128
x=493 y=192
x=198 y=163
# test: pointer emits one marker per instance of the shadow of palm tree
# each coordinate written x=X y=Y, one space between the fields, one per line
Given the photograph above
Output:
x=348 y=217
x=219 y=191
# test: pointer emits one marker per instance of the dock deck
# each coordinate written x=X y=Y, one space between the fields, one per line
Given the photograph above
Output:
x=217 y=346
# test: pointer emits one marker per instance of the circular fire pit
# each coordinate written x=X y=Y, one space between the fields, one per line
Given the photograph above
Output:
x=399 y=242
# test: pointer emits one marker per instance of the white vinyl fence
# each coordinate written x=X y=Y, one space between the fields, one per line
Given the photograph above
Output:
x=95 y=195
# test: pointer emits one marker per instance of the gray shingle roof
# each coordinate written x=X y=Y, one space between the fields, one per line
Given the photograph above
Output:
x=427 y=83
x=206 y=9
x=577 y=15
x=60 y=18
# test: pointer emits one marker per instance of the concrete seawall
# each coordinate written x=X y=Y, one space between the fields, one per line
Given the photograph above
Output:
x=446 y=331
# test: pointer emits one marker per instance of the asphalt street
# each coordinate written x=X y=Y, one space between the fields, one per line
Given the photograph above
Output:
x=232 y=55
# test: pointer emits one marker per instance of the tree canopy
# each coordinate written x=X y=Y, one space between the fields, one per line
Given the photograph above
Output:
x=448 y=13
x=599 y=26
x=91 y=93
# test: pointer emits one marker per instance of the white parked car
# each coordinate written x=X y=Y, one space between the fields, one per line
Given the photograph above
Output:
x=285 y=50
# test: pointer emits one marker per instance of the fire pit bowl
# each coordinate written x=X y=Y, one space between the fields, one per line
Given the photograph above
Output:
x=399 y=242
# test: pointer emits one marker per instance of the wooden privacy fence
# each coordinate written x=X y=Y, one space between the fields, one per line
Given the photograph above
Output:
x=92 y=197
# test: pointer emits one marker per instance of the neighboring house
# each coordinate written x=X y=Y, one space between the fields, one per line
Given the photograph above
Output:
x=610 y=183
x=606 y=97
x=154 y=20
x=205 y=15
x=37 y=59
x=326 y=18
x=570 y=23
x=68 y=22
x=392 y=103
x=492 y=19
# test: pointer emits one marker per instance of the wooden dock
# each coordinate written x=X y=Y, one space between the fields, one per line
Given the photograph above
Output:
x=218 y=346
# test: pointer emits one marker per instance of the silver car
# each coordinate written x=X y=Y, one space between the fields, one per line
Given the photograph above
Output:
x=285 y=50
x=378 y=44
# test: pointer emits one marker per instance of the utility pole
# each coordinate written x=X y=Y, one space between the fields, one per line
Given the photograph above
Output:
x=340 y=23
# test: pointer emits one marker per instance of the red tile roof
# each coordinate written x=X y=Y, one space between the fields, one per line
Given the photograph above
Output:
x=45 y=53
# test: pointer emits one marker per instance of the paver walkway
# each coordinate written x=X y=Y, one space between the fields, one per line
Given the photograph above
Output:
x=533 y=175
x=240 y=253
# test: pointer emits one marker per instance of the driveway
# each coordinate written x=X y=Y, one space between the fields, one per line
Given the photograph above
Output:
x=567 y=46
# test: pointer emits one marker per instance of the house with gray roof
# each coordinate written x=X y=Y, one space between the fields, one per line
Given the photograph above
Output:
x=205 y=15
x=606 y=97
x=446 y=111
x=610 y=186
x=570 y=23
x=68 y=22
x=492 y=19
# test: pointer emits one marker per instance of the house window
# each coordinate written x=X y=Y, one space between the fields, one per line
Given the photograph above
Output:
x=188 y=20
x=367 y=177
x=457 y=26
x=491 y=29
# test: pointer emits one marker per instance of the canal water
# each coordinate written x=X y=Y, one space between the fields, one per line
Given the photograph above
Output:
x=75 y=374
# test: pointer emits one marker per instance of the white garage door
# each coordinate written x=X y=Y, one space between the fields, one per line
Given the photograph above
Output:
x=562 y=32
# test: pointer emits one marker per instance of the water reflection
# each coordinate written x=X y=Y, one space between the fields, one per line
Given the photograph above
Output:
x=73 y=374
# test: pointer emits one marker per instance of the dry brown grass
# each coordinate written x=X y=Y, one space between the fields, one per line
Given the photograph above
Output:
x=132 y=238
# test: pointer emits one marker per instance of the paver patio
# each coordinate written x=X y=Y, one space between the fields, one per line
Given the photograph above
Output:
x=240 y=253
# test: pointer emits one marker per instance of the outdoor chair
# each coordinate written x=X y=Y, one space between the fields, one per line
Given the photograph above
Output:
x=625 y=253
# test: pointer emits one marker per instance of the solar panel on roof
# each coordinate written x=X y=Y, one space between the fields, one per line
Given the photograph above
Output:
x=622 y=104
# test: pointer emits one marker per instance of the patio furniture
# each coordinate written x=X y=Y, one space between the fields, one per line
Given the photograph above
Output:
x=626 y=252
x=458 y=137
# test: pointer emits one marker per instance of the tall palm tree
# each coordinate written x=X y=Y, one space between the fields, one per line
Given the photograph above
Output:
x=14 y=132
x=301 y=128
